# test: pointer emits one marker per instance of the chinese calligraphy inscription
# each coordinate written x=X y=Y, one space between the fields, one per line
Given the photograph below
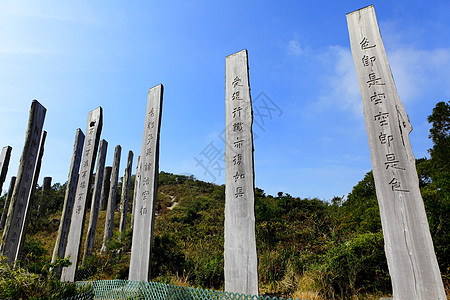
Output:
x=148 y=165
x=16 y=217
x=69 y=199
x=409 y=249
x=93 y=131
x=241 y=274
x=95 y=202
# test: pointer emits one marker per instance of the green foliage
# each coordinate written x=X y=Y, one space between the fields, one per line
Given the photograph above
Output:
x=337 y=246
x=361 y=208
x=169 y=178
x=440 y=153
x=356 y=266
x=53 y=201
x=167 y=256
x=34 y=257
x=20 y=283
x=2 y=203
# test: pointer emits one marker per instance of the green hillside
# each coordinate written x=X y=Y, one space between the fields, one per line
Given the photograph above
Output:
x=307 y=248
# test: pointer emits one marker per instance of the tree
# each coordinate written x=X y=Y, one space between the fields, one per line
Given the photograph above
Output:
x=440 y=153
x=436 y=194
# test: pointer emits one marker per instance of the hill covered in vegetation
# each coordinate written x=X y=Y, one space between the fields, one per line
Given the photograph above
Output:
x=307 y=248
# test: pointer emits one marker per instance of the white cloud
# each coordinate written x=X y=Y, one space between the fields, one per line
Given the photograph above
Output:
x=56 y=10
x=294 y=47
x=419 y=71
x=416 y=73
x=341 y=86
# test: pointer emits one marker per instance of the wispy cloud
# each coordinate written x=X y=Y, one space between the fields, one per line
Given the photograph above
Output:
x=417 y=71
x=296 y=48
x=46 y=9
x=342 y=86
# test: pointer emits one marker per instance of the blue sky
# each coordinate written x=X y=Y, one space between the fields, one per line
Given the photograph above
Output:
x=310 y=139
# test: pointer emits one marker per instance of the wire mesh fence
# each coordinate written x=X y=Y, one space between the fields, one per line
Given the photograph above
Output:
x=125 y=289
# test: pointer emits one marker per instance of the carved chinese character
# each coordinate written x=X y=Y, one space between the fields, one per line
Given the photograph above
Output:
x=237 y=111
x=78 y=209
x=152 y=112
x=236 y=96
x=239 y=192
x=83 y=184
x=149 y=138
x=236 y=82
x=145 y=195
x=373 y=80
x=238 y=143
x=143 y=211
x=385 y=139
x=80 y=196
x=237 y=126
x=395 y=185
x=151 y=124
x=391 y=162
x=147 y=166
x=368 y=61
x=382 y=118
x=365 y=44
x=148 y=152
x=377 y=98
x=146 y=181
x=237 y=159
x=238 y=176
x=85 y=163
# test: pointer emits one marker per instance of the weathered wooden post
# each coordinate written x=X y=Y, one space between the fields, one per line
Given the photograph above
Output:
x=136 y=187
x=241 y=272
x=46 y=186
x=4 y=163
x=125 y=193
x=93 y=130
x=144 y=217
x=8 y=199
x=95 y=203
x=37 y=170
x=109 y=223
x=69 y=199
x=105 y=188
x=16 y=217
x=34 y=185
x=409 y=249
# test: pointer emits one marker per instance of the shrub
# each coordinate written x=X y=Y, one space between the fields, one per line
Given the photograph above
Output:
x=19 y=283
x=356 y=266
